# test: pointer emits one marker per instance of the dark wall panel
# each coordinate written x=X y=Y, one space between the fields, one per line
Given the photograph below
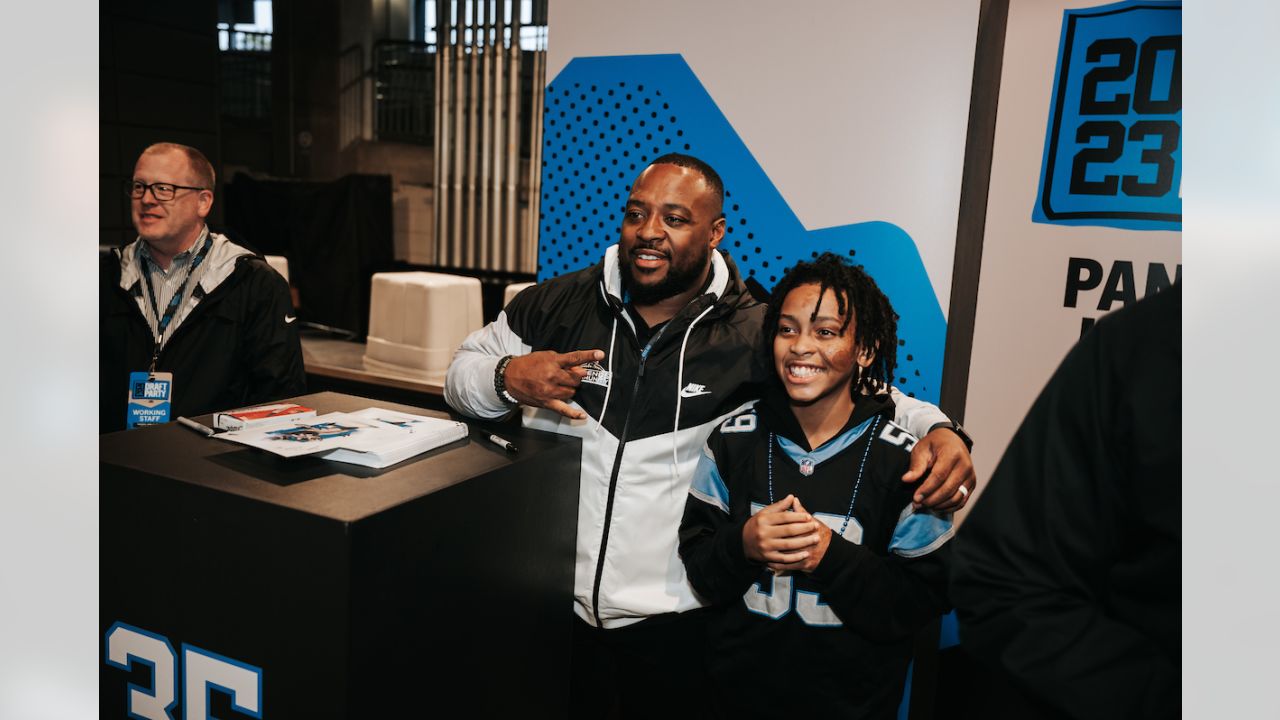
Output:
x=109 y=161
x=108 y=108
x=111 y=204
x=195 y=16
x=157 y=82
x=164 y=52
x=166 y=103
x=134 y=139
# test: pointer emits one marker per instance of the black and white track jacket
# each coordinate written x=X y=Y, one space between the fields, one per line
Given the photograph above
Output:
x=650 y=410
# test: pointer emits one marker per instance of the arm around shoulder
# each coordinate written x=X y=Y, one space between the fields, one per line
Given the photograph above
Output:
x=940 y=459
x=917 y=416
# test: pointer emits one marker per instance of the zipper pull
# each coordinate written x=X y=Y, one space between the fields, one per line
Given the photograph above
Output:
x=644 y=357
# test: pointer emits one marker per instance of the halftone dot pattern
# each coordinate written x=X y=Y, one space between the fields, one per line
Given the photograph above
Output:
x=607 y=118
x=598 y=139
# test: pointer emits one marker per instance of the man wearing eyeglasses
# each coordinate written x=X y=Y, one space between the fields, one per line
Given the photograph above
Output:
x=190 y=322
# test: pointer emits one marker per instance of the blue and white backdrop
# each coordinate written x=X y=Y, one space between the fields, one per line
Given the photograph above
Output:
x=836 y=125
x=1084 y=213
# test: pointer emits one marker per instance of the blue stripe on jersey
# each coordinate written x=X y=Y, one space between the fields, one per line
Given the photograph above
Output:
x=829 y=448
x=920 y=533
x=707 y=484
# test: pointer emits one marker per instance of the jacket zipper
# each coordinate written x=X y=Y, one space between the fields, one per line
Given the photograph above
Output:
x=613 y=476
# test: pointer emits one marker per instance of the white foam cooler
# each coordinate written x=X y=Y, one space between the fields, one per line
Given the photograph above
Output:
x=418 y=319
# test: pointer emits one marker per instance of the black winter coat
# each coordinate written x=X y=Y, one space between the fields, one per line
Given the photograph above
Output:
x=237 y=347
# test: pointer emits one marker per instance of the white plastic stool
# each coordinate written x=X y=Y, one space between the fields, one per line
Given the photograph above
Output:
x=418 y=319
x=513 y=290
x=280 y=263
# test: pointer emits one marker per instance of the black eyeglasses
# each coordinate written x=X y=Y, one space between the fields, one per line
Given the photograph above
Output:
x=163 y=192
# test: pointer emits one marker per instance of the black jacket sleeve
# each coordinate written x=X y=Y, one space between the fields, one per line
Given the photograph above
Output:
x=271 y=350
x=710 y=539
x=711 y=548
x=883 y=598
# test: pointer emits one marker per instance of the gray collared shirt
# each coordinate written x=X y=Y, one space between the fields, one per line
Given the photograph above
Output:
x=166 y=283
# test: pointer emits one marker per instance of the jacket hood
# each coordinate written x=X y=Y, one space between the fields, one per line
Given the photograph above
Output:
x=725 y=288
x=217 y=266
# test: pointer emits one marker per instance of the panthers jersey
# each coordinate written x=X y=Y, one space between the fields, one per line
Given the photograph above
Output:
x=838 y=638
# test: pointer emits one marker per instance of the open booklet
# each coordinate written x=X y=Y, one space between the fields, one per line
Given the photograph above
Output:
x=372 y=437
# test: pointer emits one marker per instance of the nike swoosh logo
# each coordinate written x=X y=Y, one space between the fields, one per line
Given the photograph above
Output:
x=289 y=319
x=688 y=393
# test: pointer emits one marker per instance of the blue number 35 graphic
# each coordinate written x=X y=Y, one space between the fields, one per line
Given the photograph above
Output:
x=1113 y=151
x=202 y=671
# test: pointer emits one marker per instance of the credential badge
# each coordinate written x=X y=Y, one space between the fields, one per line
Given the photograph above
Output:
x=596 y=374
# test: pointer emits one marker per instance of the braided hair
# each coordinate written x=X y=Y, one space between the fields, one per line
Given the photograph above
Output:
x=857 y=297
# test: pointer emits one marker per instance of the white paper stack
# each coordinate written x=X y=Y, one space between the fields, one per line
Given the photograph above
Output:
x=418 y=434
x=373 y=437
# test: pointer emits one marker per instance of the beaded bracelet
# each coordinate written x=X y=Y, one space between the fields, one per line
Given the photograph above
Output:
x=500 y=381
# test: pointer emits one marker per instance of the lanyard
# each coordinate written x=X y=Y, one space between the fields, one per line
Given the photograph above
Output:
x=175 y=301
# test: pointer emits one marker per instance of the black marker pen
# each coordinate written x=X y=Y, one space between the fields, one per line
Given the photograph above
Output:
x=504 y=444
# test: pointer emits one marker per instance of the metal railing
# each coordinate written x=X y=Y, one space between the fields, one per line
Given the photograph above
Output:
x=353 y=84
x=488 y=111
x=477 y=99
x=243 y=41
x=245 y=74
x=404 y=91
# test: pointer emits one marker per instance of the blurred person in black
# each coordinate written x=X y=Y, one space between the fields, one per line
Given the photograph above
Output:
x=1067 y=573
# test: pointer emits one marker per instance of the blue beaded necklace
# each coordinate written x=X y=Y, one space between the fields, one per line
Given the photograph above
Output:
x=856 y=483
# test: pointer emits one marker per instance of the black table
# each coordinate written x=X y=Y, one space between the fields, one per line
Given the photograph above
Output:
x=439 y=585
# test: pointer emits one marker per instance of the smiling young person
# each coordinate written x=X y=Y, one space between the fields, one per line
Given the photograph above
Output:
x=798 y=527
